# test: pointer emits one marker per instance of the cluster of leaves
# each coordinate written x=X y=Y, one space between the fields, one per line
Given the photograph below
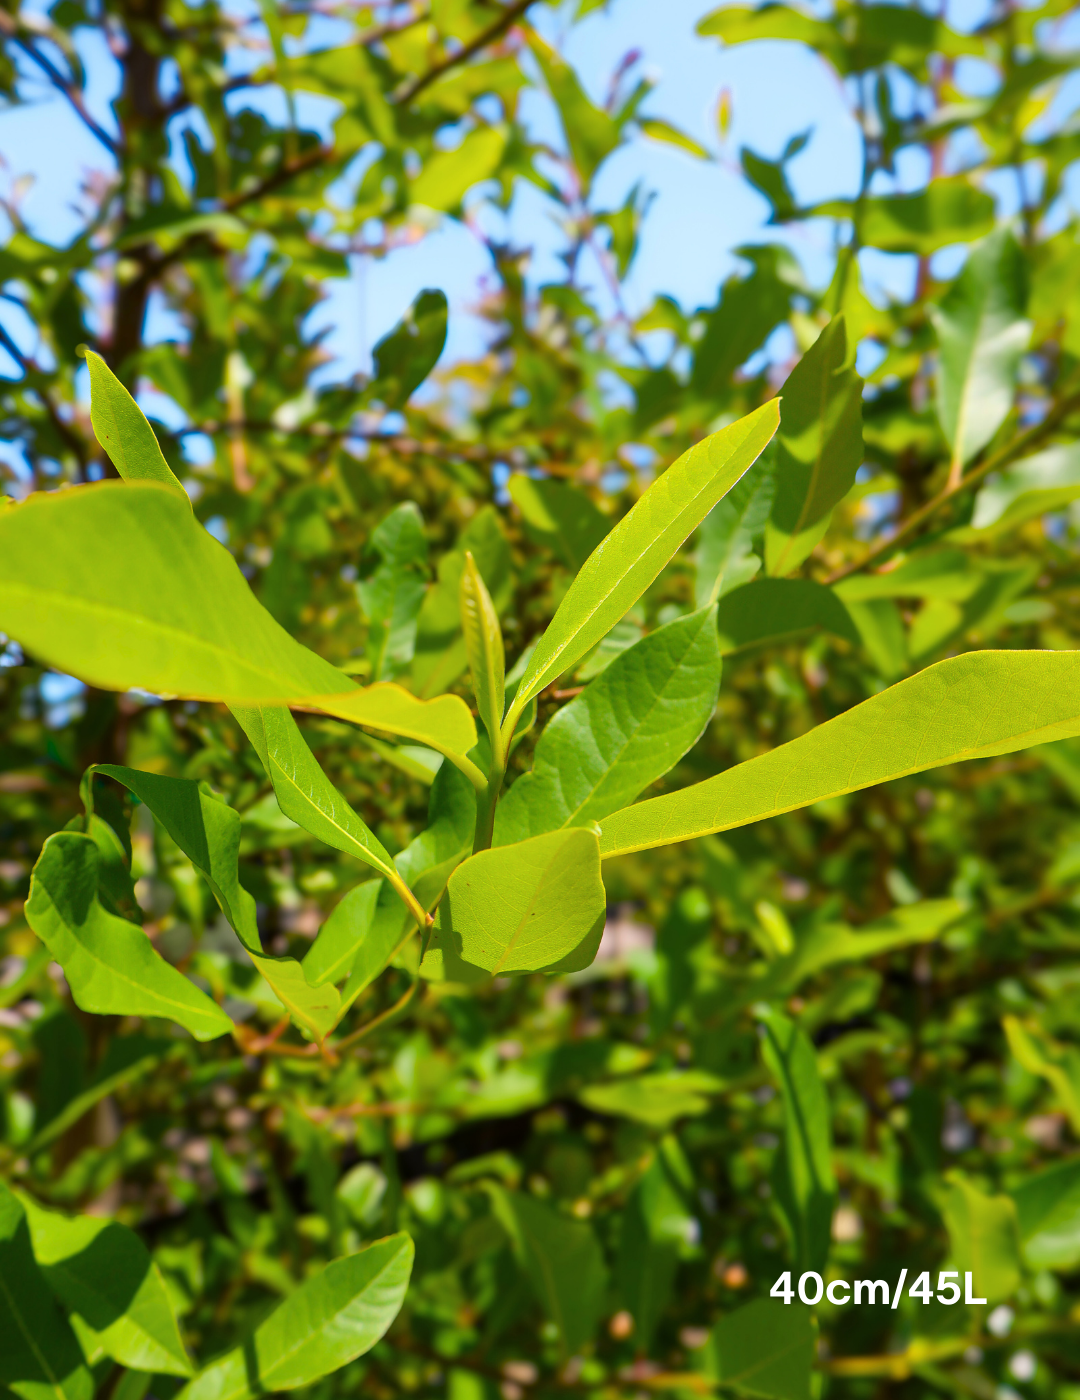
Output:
x=284 y=995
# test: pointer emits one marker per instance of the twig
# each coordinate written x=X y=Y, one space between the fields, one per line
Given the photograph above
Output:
x=485 y=37
x=10 y=27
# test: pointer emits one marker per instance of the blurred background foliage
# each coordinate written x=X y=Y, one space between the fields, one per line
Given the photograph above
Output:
x=625 y=1113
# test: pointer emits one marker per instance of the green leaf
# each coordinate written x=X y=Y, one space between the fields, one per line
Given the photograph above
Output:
x=657 y=1099
x=819 y=448
x=484 y=648
x=563 y=1261
x=1058 y=1064
x=974 y=706
x=773 y=609
x=802 y=1177
x=331 y=957
x=392 y=594
x=880 y=626
x=110 y=964
x=447 y=176
x=930 y=573
x=656 y=1228
x=39 y=1356
x=560 y=516
x=591 y=134
x=1048 y=1216
x=327 y=1322
x=524 y=907
x=122 y=430
x=659 y=130
x=405 y=357
x=985 y=1239
x=750 y=308
x=1034 y=486
x=166 y=609
x=615 y=575
x=113 y=1291
x=982 y=335
x=764 y=1349
x=949 y=210
x=632 y=724
x=724 y=559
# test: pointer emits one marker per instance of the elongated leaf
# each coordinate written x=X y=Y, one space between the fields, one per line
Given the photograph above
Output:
x=985 y=1239
x=392 y=594
x=724 y=559
x=972 y=706
x=630 y=726
x=763 y=1349
x=523 y=907
x=657 y=1099
x=122 y=430
x=930 y=573
x=819 y=448
x=331 y=956
x=616 y=574
x=949 y=210
x=656 y=1226
x=591 y=134
x=1048 y=1215
x=803 y=1176
x=208 y=832
x=114 y=1292
x=1058 y=1064
x=1036 y=485
x=560 y=516
x=750 y=308
x=39 y=1356
x=328 y=1322
x=563 y=1261
x=771 y=609
x=880 y=626
x=405 y=357
x=982 y=334
x=484 y=648
x=110 y=964
x=166 y=609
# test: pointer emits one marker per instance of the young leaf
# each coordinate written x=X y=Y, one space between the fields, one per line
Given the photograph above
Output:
x=616 y=574
x=1048 y=1215
x=392 y=594
x=484 y=648
x=327 y=1322
x=763 y=1349
x=982 y=335
x=113 y=1291
x=724 y=557
x=977 y=705
x=39 y=1356
x=985 y=1239
x=803 y=1176
x=563 y=1261
x=110 y=964
x=122 y=430
x=772 y=609
x=166 y=609
x=559 y=516
x=523 y=907
x=818 y=449
x=632 y=724
x=403 y=359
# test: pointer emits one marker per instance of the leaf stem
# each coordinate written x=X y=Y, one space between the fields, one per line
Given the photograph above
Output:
x=486 y=804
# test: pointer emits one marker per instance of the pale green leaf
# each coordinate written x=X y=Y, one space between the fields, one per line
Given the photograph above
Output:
x=591 y=134
x=977 y=705
x=122 y=430
x=447 y=176
x=620 y=569
x=113 y=1291
x=764 y=1349
x=937 y=573
x=880 y=626
x=110 y=964
x=819 y=448
x=774 y=609
x=657 y=1099
x=331 y=956
x=327 y=1322
x=1058 y=1064
x=648 y=707
x=1037 y=485
x=657 y=1226
x=982 y=335
x=724 y=559
x=670 y=135
x=484 y=648
x=985 y=1239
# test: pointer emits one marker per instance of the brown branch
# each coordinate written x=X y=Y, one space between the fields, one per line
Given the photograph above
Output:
x=485 y=37
x=281 y=176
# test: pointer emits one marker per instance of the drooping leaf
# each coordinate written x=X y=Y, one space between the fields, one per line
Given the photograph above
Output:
x=110 y=964
x=326 y=1323
x=764 y=1349
x=39 y=1356
x=981 y=334
x=405 y=357
x=985 y=1239
x=484 y=648
x=724 y=557
x=113 y=1291
x=771 y=609
x=616 y=574
x=803 y=1176
x=1048 y=1216
x=819 y=448
x=392 y=593
x=560 y=516
x=122 y=430
x=563 y=1261
x=977 y=705
x=523 y=907
x=632 y=724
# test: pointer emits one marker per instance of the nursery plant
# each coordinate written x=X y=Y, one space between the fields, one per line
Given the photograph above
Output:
x=520 y=887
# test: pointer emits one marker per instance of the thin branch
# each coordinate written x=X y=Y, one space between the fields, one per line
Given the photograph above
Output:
x=9 y=26
x=485 y=37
